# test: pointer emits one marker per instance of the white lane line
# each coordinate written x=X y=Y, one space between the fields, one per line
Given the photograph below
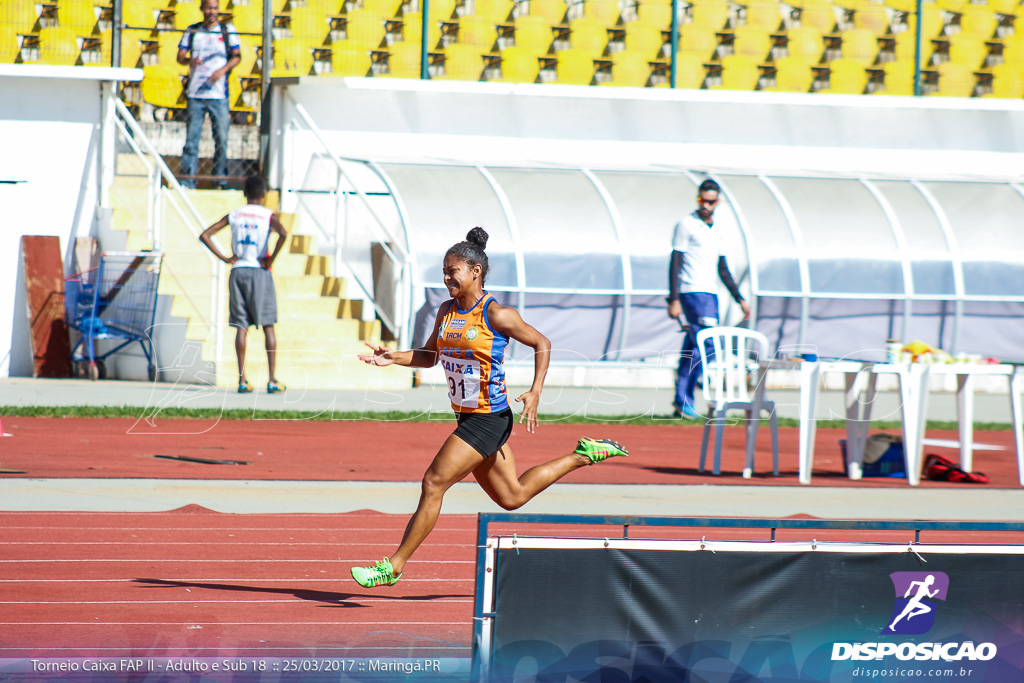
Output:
x=291 y=601
x=134 y=580
x=310 y=560
x=231 y=623
x=319 y=544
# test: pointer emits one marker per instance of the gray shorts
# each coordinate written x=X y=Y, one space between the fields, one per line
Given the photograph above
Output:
x=252 y=299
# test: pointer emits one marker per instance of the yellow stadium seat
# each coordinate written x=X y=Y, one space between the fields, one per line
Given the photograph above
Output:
x=363 y=26
x=604 y=11
x=1008 y=81
x=553 y=11
x=766 y=14
x=519 y=65
x=533 y=33
x=713 y=14
x=249 y=53
x=248 y=18
x=906 y=47
x=630 y=69
x=874 y=17
x=898 y=79
x=21 y=15
x=978 y=20
x=167 y=52
x=382 y=8
x=404 y=59
x=495 y=11
x=805 y=41
x=819 y=15
x=860 y=45
x=140 y=14
x=162 y=87
x=412 y=29
x=968 y=50
x=932 y=24
x=955 y=80
x=96 y=49
x=331 y=7
x=753 y=41
x=641 y=37
x=292 y=57
x=1013 y=48
x=349 y=59
x=793 y=74
x=462 y=63
x=1006 y=7
x=655 y=13
x=309 y=25
x=588 y=34
x=846 y=76
x=10 y=45
x=58 y=45
x=474 y=30
x=574 y=67
x=904 y=5
x=442 y=9
x=739 y=72
x=698 y=39
x=77 y=15
x=186 y=15
x=131 y=46
x=689 y=70
x=951 y=5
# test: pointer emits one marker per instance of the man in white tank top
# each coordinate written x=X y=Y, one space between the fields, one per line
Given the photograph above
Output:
x=252 y=299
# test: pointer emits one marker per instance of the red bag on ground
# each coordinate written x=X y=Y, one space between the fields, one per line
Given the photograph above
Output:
x=938 y=468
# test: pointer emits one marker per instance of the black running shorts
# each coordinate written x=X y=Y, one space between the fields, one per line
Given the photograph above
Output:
x=485 y=432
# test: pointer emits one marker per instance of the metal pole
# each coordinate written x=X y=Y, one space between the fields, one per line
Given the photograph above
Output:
x=674 y=42
x=115 y=35
x=917 y=52
x=268 y=66
x=424 y=34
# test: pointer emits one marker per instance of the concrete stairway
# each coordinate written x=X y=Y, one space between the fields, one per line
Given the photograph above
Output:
x=319 y=330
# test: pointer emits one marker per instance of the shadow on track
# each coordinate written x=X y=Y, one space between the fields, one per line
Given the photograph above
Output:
x=333 y=598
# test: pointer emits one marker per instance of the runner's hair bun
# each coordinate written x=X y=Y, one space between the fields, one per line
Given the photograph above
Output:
x=478 y=237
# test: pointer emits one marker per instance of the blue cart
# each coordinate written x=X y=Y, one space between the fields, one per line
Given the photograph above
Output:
x=116 y=300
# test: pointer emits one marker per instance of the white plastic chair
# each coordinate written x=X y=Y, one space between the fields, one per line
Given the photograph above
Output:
x=737 y=353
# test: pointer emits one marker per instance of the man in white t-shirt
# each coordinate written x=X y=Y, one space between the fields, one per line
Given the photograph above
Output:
x=697 y=266
x=252 y=298
x=212 y=50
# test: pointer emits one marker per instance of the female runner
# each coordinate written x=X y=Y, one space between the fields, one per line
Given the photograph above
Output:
x=470 y=335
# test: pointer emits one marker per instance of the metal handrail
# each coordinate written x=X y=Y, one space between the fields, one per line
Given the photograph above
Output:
x=397 y=253
x=196 y=226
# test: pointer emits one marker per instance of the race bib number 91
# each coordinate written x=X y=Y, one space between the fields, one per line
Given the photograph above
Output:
x=463 y=381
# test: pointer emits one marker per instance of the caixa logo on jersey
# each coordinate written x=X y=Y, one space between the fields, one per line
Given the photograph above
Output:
x=917 y=596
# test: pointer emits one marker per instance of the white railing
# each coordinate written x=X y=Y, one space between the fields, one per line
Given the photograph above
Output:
x=159 y=173
x=390 y=304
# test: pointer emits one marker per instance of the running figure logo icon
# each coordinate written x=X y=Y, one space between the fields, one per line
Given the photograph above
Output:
x=914 y=612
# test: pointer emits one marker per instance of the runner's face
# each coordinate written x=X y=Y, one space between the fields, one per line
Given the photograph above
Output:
x=706 y=203
x=458 y=275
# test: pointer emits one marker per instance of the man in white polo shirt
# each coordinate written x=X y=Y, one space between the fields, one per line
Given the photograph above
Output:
x=212 y=50
x=697 y=265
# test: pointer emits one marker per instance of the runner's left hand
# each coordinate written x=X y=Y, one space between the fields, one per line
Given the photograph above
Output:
x=529 y=415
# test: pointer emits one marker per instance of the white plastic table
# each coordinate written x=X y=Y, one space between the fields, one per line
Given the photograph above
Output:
x=912 y=380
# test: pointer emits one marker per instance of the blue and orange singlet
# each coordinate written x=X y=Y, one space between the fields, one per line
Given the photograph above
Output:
x=471 y=354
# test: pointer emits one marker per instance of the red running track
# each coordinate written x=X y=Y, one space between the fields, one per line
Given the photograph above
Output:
x=400 y=451
x=192 y=582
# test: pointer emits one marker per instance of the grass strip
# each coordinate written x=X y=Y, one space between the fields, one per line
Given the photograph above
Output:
x=171 y=413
